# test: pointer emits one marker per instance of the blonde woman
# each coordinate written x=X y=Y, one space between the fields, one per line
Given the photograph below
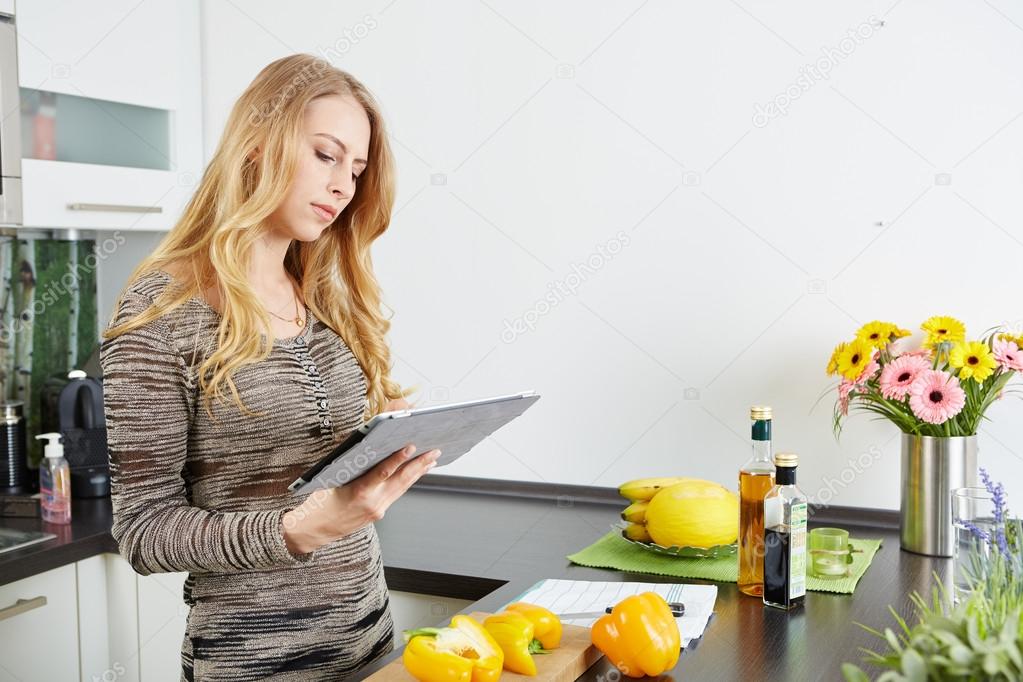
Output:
x=240 y=352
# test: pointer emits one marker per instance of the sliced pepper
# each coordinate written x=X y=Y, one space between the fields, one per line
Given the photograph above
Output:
x=513 y=632
x=462 y=652
x=546 y=625
x=639 y=636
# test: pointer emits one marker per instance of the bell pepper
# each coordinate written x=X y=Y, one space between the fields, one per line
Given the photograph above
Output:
x=639 y=636
x=462 y=652
x=513 y=632
x=546 y=625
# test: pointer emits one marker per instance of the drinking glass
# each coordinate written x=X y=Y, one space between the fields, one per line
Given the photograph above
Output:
x=973 y=517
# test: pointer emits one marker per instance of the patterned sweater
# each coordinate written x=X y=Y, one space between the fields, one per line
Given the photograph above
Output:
x=208 y=496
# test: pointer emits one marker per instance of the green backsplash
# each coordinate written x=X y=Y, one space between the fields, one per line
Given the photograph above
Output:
x=48 y=313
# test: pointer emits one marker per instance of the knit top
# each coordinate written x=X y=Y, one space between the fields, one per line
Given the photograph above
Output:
x=207 y=496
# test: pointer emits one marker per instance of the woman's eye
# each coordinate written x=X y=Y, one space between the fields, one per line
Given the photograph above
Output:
x=324 y=157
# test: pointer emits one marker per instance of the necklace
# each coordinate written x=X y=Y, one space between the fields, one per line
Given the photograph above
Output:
x=297 y=320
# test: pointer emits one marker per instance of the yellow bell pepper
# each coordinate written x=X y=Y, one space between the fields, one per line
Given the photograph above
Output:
x=639 y=636
x=513 y=632
x=546 y=625
x=462 y=652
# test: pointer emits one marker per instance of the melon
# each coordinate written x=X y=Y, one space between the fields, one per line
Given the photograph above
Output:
x=693 y=513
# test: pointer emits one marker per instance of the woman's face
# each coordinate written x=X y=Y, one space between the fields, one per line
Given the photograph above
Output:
x=332 y=154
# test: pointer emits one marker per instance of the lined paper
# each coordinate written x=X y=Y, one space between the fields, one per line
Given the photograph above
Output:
x=574 y=596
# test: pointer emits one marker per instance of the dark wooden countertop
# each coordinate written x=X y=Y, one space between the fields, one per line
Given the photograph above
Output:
x=87 y=535
x=488 y=541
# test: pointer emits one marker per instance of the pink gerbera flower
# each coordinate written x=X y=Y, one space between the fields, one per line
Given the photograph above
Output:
x=936 y=396
x=869 y=369
x=924 y=353
x=1008 y=355
x=845 y=389
x=899 y=374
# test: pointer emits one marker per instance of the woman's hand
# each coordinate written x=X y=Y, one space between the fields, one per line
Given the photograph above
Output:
x=396 y=404
x=327 y=515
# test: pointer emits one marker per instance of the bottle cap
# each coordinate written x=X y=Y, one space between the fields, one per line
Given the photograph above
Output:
x=760 y=412
x=786 y=459
x=53 y=448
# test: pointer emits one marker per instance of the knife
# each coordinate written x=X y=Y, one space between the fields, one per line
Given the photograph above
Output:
x=678 y=609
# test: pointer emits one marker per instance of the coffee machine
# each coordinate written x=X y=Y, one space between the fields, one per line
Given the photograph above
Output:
x=74 y=408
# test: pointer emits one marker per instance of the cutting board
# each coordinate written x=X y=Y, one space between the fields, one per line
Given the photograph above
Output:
x=564 y=664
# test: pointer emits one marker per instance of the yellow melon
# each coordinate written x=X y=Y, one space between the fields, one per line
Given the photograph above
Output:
x=693 y=513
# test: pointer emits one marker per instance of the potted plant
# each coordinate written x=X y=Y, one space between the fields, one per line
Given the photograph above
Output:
x=981 y=637
x=936 y=392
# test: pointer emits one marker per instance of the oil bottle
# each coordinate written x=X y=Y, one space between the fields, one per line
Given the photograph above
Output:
x=785 y=538
x=756 y=478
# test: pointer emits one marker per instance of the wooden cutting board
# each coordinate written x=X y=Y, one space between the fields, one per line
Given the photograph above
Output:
x=564 y=664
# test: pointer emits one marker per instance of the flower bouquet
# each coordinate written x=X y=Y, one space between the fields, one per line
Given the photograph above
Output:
x=937 y=392
x=941 y=388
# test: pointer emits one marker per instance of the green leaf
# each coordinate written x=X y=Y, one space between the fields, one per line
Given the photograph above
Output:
x=913 y=666
x=852 y=673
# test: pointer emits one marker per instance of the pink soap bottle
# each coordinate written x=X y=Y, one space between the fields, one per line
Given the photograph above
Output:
x=54 y=481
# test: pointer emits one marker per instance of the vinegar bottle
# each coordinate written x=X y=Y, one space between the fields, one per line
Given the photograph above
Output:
x=785 y=538
x=756 y=478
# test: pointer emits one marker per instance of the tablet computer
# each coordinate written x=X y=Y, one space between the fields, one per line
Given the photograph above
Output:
x=455 y=428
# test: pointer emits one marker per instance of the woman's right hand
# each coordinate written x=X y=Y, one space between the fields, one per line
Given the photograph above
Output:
x=327 y=515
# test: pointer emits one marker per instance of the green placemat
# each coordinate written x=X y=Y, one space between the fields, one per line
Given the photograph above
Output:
x=614 y=551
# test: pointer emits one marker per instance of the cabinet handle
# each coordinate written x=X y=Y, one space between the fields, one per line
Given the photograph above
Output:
x=116 y=208
x=21 y=606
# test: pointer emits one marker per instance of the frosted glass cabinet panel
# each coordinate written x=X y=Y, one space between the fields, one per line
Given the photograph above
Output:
x=60 y=127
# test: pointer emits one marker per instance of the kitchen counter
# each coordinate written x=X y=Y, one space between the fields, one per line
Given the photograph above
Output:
x=87 y=535
x=489 y=541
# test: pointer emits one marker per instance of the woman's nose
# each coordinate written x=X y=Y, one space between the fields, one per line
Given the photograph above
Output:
x=342 y=188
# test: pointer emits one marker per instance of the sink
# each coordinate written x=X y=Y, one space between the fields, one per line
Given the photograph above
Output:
x=16 y=539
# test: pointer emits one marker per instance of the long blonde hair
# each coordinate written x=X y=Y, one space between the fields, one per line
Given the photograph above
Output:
x=239 y=190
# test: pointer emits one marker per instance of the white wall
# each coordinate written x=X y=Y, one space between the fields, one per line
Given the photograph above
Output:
x=889 y=189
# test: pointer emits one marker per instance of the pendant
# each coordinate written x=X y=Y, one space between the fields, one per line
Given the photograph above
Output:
x=299 y=321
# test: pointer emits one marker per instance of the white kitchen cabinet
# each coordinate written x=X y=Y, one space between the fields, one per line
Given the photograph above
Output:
x=412 y=610
x=162 y=617
x=39 y=627
x=111 y=112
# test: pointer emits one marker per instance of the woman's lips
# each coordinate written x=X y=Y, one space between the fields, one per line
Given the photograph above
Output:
x=323 y=212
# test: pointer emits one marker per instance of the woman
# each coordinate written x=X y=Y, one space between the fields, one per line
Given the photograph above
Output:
x=240 y=352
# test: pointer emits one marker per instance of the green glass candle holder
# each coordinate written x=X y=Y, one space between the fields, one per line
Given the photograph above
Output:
x=830 y=553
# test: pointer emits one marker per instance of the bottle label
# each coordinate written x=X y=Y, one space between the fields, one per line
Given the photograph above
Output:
x=797 y=551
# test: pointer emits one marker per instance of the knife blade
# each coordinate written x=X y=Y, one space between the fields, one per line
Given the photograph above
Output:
x=678 y=609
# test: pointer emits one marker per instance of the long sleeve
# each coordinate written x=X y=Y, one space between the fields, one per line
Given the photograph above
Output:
x=148 y=408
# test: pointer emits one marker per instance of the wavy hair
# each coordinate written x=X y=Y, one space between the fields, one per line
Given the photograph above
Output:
x=249 y=175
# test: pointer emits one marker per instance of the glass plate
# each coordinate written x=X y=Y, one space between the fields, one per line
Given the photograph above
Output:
x=682 y=552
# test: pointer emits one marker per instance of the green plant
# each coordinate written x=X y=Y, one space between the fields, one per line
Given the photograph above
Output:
x=981 y=638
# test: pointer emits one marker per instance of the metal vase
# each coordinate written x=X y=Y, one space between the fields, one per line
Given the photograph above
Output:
x=932 y=468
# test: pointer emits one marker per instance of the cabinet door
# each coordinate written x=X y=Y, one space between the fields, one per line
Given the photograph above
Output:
x=116 y=50
x=162 y=616
x=39 y=627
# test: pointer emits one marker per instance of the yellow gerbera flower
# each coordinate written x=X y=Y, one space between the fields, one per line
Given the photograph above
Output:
x=943 y=328
x=1016 y=339
x=853 y=357
x=879 y=334
x=973 y=359
x=833 y=362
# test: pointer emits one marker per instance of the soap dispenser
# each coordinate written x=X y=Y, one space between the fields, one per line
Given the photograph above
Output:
x=54 y=481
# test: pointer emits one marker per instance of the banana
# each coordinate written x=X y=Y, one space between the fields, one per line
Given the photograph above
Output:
x=636 y=512
x=637 y=532
x=645 y=488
